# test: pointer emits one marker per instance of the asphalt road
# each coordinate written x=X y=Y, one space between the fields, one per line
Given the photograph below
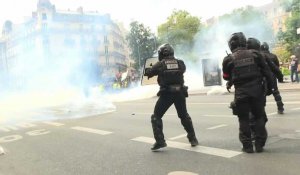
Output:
x=119 y=142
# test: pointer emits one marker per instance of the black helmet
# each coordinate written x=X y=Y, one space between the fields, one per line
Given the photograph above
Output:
x=164 y=51
x=264 y=46
x=253 y=43
x=237 y=40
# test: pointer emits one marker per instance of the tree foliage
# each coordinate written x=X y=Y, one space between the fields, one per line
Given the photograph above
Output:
x=179 y=29
x=282 y=54
x=289 y=38
x=142 y=43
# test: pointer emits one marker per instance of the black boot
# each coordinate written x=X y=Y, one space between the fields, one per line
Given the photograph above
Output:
x=247 y=148
x=158 y=145
x=157 y=127
x=279 y=102
x=188 y=126
x=193 y=140
x=259 y=147
x=245 y=136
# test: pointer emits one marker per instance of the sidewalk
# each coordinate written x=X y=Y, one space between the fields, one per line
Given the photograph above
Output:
x=221 y=90
x=289 y=86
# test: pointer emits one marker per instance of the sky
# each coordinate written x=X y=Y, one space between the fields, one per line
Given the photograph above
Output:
x=151 y=13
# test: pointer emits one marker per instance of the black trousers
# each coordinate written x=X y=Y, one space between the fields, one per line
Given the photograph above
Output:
x=255 y=105
x=166 y=99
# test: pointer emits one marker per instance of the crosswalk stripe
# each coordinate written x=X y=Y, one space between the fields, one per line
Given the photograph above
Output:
x=177 y=137
x=201 y=149
x=225 y=116
x=90 y=130
x=218 y=126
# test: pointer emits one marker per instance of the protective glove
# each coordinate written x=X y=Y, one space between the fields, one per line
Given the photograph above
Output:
x=270 y=92
x=147 y=70
x=228 y=85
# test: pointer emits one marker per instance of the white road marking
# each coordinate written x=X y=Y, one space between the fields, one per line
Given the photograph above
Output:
x=54 y=123
x=181 y=173
x=16 y=127
x=177 y=137
x=151 y=114
x=95 y=131
x=38 y=132
x=201 y=149
x=1 y=151
x=297 y=130
x=218 y=126
x=273 y=113
x=225 y=103
x=10 y=138
x=226 y=116
x=294 y=109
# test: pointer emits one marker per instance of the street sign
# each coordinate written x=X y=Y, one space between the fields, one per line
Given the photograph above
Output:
x=148 y=64
x=298 y=31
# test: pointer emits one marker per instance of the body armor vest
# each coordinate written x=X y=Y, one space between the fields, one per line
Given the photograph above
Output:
x=172 y=73
x=245 y=67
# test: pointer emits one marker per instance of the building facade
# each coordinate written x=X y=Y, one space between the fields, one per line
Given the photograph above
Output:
x=276 y=14
x=50 y=35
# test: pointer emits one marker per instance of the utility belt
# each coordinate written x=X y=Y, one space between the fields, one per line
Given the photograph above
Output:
x=174 y=88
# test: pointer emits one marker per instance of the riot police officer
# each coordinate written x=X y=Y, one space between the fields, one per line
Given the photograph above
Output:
x=253 y=43
x=246 y=69
x=270 y=57
x=172 y=91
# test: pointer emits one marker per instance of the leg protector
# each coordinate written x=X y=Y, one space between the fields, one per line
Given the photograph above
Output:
x=278 y=100
x=261 y=133
x=188 y=126
x=245 y=133
x=157 y=127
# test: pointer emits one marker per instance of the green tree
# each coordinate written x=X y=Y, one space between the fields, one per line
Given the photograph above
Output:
x=142 y=43
x=289 y=38
x=179 y=30
x=282 y=54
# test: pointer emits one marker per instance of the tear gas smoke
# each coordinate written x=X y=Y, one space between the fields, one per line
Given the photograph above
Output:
x=211 y=43
x=50 y=73
x=59 y=76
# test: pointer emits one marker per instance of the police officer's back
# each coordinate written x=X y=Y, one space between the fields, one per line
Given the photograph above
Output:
x=273 y=62
x=246 y=69
x=172 y=91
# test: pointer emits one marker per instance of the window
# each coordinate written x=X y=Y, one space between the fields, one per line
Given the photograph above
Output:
x=44 y=16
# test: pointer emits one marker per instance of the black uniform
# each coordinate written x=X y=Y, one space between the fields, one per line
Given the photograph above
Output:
x=253 y=43
x=172 y=91
x=273 y=62
x=246 y=69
